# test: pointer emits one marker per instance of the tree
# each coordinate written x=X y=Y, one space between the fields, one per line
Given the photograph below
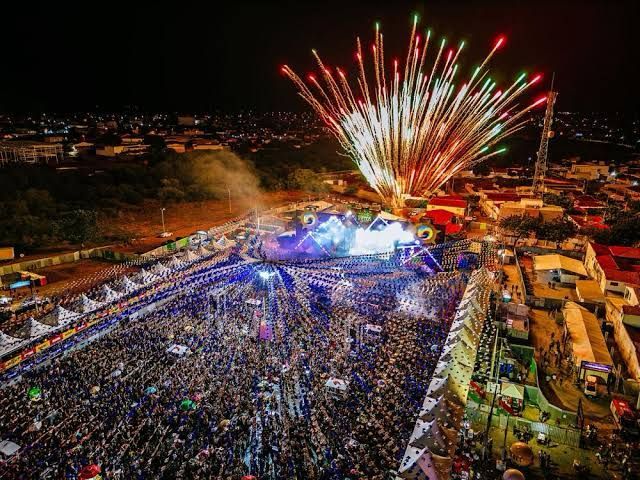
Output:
x=615 y=214
x=170 y=190
x=307 y=180
x=560 y=200
x=625 y=232
x=519 y=226
x=557 y=230
x=79 y=226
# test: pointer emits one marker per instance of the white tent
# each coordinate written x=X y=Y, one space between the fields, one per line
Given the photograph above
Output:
x=145 y=277
x=85 y=305
x=38 y=329
x=9 y=343
x=559 y=262
x=203 y=252
x=108 y=294
x=336 y=386
x=224 y=242
x=59 y=316
x=159 y=269
x=178 y=350
x=174 y=262
x=8 y=449
x=189 y=256
x=128 y=286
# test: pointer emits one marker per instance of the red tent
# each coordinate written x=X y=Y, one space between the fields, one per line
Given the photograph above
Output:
x=89 y=471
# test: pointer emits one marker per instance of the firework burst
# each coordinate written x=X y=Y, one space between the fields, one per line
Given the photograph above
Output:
x=414 y=127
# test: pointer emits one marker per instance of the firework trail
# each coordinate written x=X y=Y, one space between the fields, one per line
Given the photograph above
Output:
x=412 y=129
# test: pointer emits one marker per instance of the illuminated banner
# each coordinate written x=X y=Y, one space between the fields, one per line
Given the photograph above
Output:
x=27 y=353
x=55 y=339
x=597 y=367
x=12 y=362
x=68 y=333
x=43 y=345
x=81 y=327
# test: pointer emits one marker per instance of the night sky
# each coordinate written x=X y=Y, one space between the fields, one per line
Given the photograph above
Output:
x=183 y=56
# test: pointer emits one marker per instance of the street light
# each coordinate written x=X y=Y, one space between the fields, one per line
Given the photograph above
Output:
x=162 y=213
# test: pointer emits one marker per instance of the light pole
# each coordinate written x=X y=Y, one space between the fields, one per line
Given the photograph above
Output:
x=229 y=192
x=162 y=213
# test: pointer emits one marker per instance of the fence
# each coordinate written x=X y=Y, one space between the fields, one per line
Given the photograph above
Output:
x=523 y=284
x=39 y=263
x=557 y=434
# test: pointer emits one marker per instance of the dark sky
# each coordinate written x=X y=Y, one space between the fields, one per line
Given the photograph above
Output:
x=183 y=56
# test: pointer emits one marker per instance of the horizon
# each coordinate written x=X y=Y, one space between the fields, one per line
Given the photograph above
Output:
x=220 y=57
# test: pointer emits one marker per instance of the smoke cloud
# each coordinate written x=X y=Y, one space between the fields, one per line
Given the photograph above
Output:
x=216 y=172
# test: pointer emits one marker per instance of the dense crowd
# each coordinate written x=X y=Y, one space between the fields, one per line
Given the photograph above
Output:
x=252 y=394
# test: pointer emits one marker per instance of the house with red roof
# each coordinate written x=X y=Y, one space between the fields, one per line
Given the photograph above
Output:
x=614 y=267
x=588 y=221
x=444 y=220
x=451 y=203
x=624 y=315
x=588 y=204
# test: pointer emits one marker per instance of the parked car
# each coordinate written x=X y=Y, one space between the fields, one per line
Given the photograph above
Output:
x=7 y=450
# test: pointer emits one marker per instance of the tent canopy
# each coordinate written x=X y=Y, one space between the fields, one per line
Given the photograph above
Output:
x=589 y=291
x=179 y=350
x=512 y=390
x=586 y=337
x=8 y=448
x=336 y=384
x=559 y=262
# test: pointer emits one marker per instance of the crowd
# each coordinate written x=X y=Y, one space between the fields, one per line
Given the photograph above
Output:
x=251 y=393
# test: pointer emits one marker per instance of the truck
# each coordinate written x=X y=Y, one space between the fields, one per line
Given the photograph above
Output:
x=625 y=418
x=7 y=253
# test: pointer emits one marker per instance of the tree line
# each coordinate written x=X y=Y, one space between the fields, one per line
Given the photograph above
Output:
x=43 y=206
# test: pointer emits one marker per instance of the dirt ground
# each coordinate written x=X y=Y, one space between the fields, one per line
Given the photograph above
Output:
x=540 y=282
x=79 y=276
x=562 y=457
x=562 y=391
x=145 y=224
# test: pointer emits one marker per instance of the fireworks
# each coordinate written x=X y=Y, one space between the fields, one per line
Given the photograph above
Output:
x=412 y=129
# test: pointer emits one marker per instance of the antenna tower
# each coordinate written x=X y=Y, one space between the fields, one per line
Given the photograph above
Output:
x=547 y=133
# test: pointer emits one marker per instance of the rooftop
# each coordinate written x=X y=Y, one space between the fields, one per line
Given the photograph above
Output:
x=449 y=201
x=559 y=262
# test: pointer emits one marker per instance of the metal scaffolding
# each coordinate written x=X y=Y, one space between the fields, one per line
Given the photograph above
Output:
x=29 y=152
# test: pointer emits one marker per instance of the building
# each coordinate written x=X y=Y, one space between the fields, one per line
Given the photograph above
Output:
x=532 y=207
x=112 y=151
x=589 y=204
x=558 y=268
x=206 y=144
x=614 y=267
x=177 y=147
x=490 y=202
x=588 y=171
x=187 y=120
x=450 y=203
x=444 y=221
x=29 y=152
x=588 y=221
x=624 y=315
x=589 y=350
x=588 y=291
